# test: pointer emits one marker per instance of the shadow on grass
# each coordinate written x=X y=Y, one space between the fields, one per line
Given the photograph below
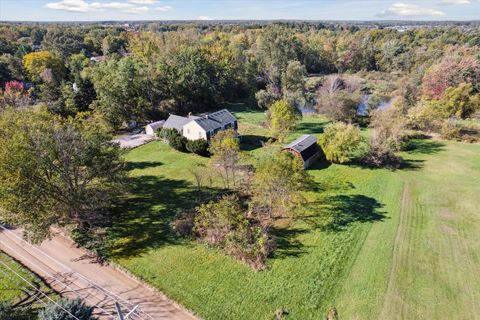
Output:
x=287 y=243
x=425 y=146
x=311 y=127
x=339 y=211
x=251 y=142
x=143 y=165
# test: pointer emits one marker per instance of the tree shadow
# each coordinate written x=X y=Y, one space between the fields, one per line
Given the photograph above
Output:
x=142 y=220
x=143 y=165
x=251 y=142
x=311 y=127
x=424 y=146
x=287 y=243
x=337 y=212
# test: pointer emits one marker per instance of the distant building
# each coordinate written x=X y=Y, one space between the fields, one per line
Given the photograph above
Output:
x=152 y=128
x=306 y=149
x=99 y=58
x=202 y=127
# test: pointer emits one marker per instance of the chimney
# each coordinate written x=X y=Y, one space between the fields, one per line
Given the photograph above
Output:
x=189 y=114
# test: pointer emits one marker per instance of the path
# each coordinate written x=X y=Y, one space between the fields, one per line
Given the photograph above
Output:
x=66 y=270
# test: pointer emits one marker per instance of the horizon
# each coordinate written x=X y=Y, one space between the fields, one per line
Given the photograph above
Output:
x=235 y=10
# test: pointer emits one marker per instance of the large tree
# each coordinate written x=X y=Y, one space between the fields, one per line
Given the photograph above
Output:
x=282 y=119
x=56 y=172
x=278 y=184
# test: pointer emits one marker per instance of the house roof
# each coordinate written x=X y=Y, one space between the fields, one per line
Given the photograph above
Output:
x=306 y=146
x=176 y=122
x=156 y=125
x=215 y=120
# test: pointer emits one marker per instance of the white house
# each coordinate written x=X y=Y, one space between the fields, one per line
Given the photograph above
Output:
x=202 y=127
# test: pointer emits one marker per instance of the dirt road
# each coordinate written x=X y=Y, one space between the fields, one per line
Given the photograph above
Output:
x=66 y=270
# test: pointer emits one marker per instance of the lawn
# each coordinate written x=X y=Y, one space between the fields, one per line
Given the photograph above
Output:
x=16 y=291
x=404 y=246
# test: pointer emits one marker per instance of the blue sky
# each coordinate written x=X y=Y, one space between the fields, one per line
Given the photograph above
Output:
x=94 y=10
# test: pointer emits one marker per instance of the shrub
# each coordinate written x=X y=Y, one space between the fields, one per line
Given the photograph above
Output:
x=167 y=134
x=9 y=312
x=381 y=155
x=450 y=131
x=224 y=224
x=342 y=142
x=199 y=147
x=178 y=143
x=76 y=307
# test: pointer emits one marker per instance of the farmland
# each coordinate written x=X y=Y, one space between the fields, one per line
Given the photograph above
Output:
x=404 y=245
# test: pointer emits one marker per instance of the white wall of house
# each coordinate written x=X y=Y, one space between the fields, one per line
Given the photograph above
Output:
x=192 y=131
x=149 y=130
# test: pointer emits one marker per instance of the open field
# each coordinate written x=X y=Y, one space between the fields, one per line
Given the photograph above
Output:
x=404 y=246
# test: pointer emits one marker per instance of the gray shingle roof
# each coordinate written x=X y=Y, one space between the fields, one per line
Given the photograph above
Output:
x=176 y=122
x=216 y=120
x=306 y=145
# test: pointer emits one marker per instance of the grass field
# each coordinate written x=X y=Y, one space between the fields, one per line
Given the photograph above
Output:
x=17 y=292
x=406 y=245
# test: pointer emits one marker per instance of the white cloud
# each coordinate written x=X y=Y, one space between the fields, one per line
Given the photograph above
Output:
x=144 y=1
x=84 y=6
x=455 y=2
x=409 y=10
x=204 y=18
x=164 y=8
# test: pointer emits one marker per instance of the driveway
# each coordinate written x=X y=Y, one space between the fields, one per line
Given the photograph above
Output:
x=128 y=141
x=69 y=271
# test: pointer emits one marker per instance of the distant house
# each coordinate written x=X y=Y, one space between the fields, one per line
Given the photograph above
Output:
x=204 y=126
x=99 y=58
x=306 y=149
x=151 y=128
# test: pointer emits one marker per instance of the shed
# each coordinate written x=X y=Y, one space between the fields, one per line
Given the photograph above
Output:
x=306 y=149
x=151 y=128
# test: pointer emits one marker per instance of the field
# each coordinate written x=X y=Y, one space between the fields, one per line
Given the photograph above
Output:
x=405 y=244
x=14 y=290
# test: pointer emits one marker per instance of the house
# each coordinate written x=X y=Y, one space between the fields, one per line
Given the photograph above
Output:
x=204 y=126
x=306 y=149
x=152 y=128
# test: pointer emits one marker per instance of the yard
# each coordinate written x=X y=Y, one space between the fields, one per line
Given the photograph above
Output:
x=394 y=228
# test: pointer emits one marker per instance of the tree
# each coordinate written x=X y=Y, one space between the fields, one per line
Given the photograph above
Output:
x=341 y=142
x=123 y=90
x=56 y=311
x=55 y=171
x=282 y=119
x=293 y=83
x=14 y=95
x=189 y=78
x=225 y=150
x=36 y=63
x=63 y=41
x=278 y=184
x=461 y=101
x=339 y=98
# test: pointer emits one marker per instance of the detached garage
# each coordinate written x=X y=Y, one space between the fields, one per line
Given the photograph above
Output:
x=305 y=148
x=152 y=128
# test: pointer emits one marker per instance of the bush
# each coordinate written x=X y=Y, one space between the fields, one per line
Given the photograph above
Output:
x=199 y=147
x=178 y=143
x=167 y=134
x=9 y=312
x=381 y=155
x=450 y=131
x=342 y=142
x=76 y=307
x=224 y=224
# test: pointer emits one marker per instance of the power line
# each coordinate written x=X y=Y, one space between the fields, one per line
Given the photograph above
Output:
x=62 y=283
x=132 y=308
x=38 y=290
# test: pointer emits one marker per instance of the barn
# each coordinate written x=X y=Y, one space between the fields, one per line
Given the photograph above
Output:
x=306 y=149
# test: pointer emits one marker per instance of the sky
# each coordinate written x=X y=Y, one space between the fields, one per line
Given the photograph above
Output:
x=101 y=10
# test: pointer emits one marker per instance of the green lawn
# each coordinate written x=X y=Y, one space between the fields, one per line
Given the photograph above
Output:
x=405 y=244
x=14 y=290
